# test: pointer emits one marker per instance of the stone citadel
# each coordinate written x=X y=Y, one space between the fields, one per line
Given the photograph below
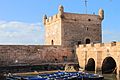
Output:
x=69 y=38
x=69 y=29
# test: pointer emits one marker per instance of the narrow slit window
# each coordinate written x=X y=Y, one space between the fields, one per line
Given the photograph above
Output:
x=52 y=42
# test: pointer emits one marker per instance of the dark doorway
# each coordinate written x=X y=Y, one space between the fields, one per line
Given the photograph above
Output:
x=109 y=65
x=90 y=66
x=87 y=41
x=52 y=42
x=78 y=43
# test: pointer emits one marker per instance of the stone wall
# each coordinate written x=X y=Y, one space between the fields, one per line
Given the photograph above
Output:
x=15 y=55
x=79 y=27
x=53 y=30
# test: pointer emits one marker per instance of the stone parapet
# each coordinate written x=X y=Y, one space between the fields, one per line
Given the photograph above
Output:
x=33 y=54
x=112 y=44
x=52 y=19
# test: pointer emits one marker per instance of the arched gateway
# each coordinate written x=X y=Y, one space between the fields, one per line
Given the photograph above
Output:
x=105 y=55
x=90 y=66
x=109 y=65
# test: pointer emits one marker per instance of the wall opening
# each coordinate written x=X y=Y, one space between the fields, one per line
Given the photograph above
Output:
x=108 y=65
x=89 y=19
x=90 y=66
x=56 y=60
x=86 y=28
x=52 y=42
x=78 y=43
x=65 y=58
x=87 y=41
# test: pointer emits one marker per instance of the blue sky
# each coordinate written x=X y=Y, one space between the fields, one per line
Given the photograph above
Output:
x=21 y=20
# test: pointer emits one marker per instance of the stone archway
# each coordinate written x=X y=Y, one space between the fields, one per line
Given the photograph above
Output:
x=87 y=41
x=90 y=66
x=109 y=65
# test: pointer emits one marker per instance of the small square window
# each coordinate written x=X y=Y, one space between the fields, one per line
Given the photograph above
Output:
x=89 y=19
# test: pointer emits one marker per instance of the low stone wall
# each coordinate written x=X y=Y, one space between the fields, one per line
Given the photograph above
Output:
x=19 y=55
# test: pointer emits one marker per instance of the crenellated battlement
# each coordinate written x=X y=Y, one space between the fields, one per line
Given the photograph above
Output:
x=52 y=19
x=74 y=16
x=99 y=45
x=55 y=17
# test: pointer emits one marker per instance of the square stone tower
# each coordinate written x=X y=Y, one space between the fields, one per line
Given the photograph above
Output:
x=70 y=29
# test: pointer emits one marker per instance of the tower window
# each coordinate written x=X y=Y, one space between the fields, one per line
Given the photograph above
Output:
x=89 y=19
x=87 y=41
x=52 y=42
x=86 y=28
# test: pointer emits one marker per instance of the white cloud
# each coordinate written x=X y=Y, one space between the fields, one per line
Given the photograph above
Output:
x=15 y=32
